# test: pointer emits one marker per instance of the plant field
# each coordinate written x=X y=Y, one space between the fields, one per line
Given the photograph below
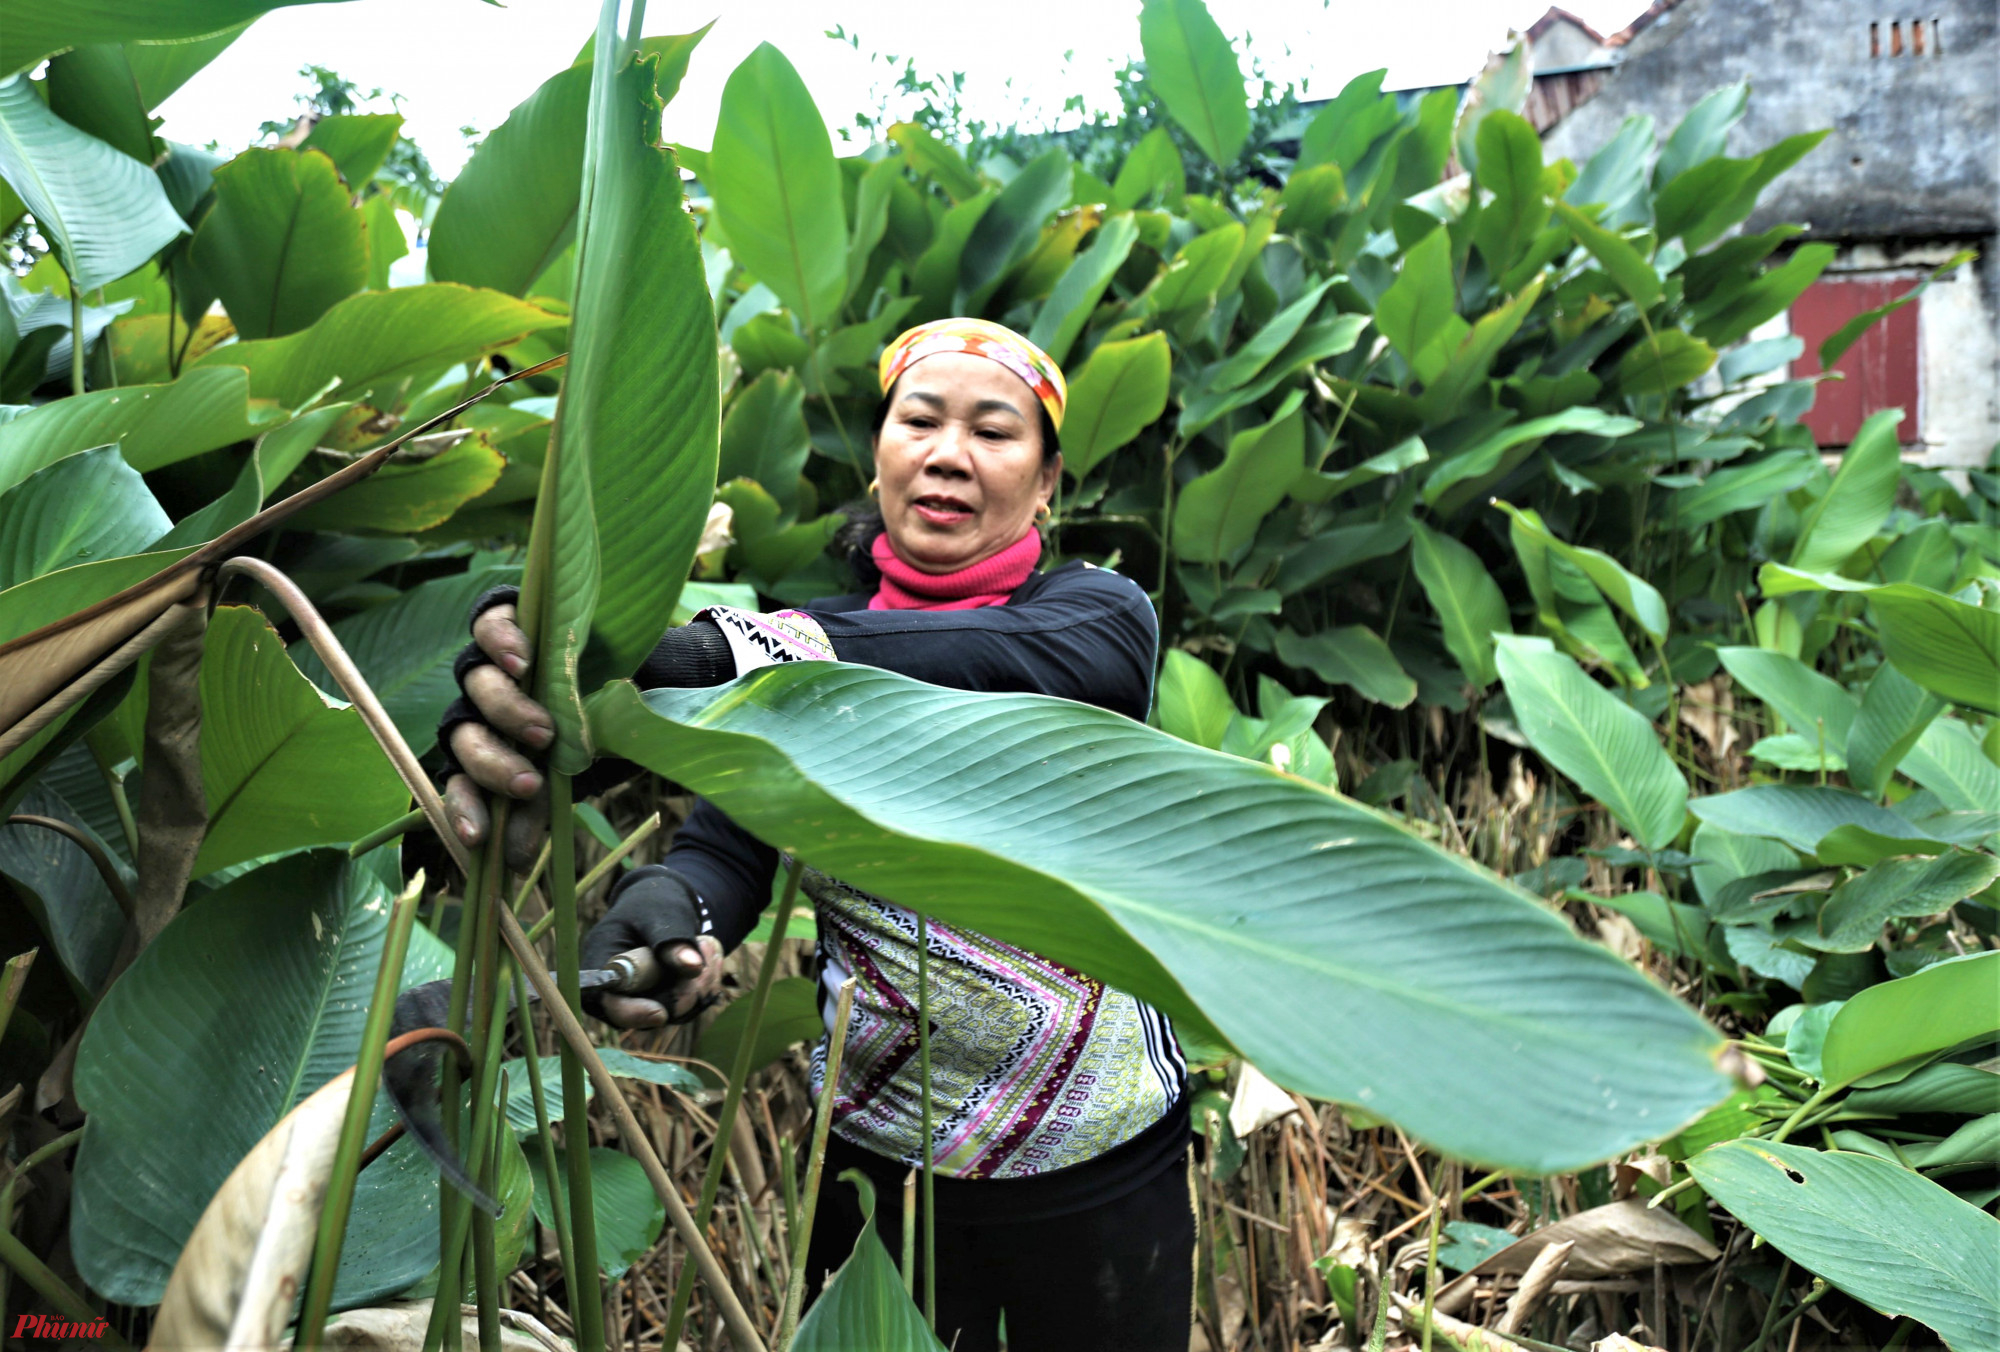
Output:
x=1564 y=838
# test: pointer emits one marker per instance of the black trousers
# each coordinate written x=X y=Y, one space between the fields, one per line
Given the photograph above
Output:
x=1116 y=1277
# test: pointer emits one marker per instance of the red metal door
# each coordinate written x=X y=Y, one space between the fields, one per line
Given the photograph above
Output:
x=1880 y=369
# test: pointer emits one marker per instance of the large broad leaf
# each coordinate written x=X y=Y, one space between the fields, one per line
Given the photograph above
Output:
x=1948 y=646
x=1723 y=856
x=372 y=341
x=1804 y=816
x=1885 y=1235
x=864 y=1304
x=154 y=425
x=521 y=1090
x=612 y=560
x=1245 y=362
x=1627 y=266
x=1190 y=64
x=357 y=143
x=1629 y=592
x=1894 y=713
x=58 y=882
x=1948 y=760
x=777 y=187
x=1008 y=230
x=83 y=507
x=406 y=496
x=35 y=30
x=1419 y=304
x=405 y=649
x=1152 y=174
x=1811 y=704
x=1191 y=702
x=1848 y=514
x=280 y=767
x=1219 y=512
x=1467 y=601
x=1352 y=655
x=1119 y=393
x=1739 y=488
x=791 y=1016
x=1345 y=956
x=765 y=436
x=1930 y=1011
x=104 y=211
x=511 y=211
x=282 y=243
x=627 y=1212
x=242 y=1007
x=1495 y=453
x=1510 y=166
x=1598 y=740
x=1070 y=304
x=92 y=89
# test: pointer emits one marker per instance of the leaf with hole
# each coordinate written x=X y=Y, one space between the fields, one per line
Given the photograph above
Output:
x=1889 y=1237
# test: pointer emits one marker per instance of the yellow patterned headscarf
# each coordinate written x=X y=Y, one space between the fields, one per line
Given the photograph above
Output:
x=982 y=338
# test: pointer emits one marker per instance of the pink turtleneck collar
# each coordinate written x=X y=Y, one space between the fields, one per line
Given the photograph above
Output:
x=986 y=583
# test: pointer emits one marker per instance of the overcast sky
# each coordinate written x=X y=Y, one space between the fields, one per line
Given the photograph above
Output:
x=466 y=63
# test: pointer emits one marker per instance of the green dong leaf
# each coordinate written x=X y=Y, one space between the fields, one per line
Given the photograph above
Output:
x=1218 y=514
x=1885 y=1235
x=1467 y=600
x=864 y=1303
x=777 y=187
x=1596 y=739
x=615 y=559
x=1119 y=393
x=1246 y=903
x=1853 y=508
x=104 y=211
x=299 y=942
x=1190 y=64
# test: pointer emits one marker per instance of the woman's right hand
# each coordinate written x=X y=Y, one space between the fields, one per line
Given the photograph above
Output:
x=488 y=749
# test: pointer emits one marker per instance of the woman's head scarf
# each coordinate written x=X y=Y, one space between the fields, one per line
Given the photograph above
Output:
x=982 y=338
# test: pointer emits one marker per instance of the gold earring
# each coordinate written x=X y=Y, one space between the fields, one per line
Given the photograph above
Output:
x=1042 y=514
x=874 y=488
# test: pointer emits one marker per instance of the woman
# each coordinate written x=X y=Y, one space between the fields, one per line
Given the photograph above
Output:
x=1060 y=1138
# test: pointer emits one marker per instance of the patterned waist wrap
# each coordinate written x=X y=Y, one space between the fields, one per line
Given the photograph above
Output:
x=1034 y=1066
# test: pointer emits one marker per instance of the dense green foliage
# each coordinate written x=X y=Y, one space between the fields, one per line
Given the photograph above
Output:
x=1431 y=472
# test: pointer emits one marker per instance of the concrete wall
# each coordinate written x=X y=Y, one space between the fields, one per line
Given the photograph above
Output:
x=1910 y=172
x=1915 y=148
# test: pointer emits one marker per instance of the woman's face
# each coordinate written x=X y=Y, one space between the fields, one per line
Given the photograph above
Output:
x=959 y=458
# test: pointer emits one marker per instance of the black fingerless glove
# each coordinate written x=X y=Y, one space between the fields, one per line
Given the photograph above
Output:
x=689 y=656
x=650 y=906
x=462 y=709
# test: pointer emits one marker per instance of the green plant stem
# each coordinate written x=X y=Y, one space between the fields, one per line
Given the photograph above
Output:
x=484 y=866
x=795 y=1287
x=1771 y=1311
x=732 y=1098
x=127 y=823
x=486 y=1037
x=924 y=1098
x=75 y=338
x=557 y=1210
x=339 y=1197
x=1431 y=1253
x=382 y=835
x=485 y=1264
x=53 y=1289
x=639 y=835
x=586 y=1298
x=1791 y=1123
x=910 y=1234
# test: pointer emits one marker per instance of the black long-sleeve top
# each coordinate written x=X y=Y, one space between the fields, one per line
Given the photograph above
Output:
x=1054 y=1093
x=1077 y=632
